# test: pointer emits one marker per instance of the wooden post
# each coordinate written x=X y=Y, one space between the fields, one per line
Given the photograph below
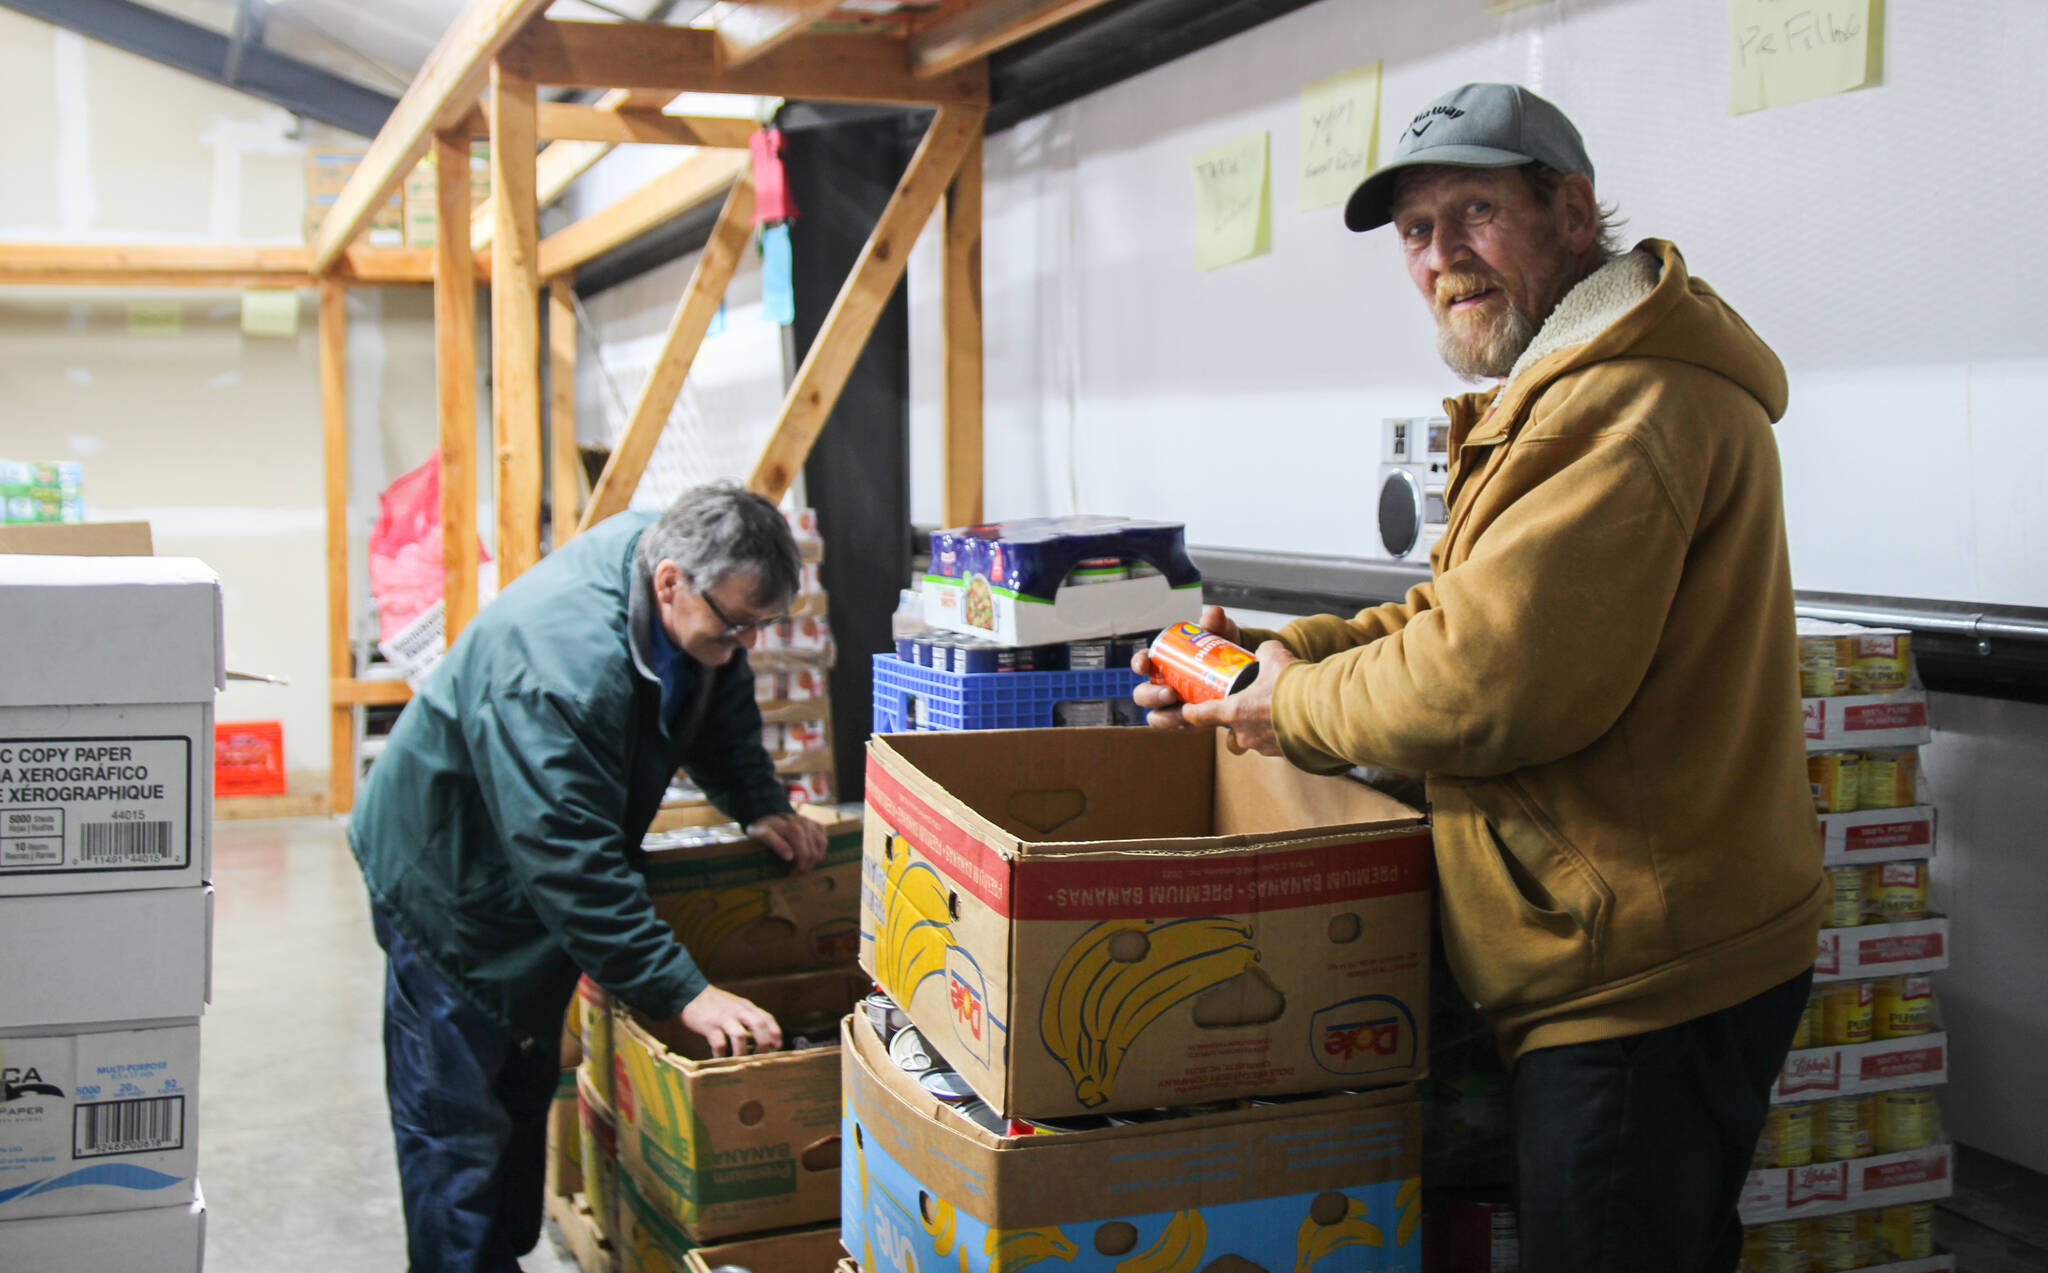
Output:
x=341 y=783
x=962 y=373
x=565 y=474
x=721 y=256
x=515 y=324
x=815 y=391
x=455 y=377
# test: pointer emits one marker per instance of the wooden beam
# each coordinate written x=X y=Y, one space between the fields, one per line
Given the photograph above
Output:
x=334 y=456
x=515 y=325
x=843 y=68
x=369 y=693
x=961 y=373
x=968 y=36
x=565 y=469
x=455 y=380
x=818 y=382
x=564 y=161
x=198 y=265
x=698 y=179
x=748 y=30
x=568 y=122
x=715 y=266
x=440 y=96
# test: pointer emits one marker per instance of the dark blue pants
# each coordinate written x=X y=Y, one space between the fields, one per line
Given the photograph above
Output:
x=1631 y=1152
x=469 y=1108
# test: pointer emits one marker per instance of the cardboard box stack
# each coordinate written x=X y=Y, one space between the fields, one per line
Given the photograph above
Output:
x=328 y=169
x=32 y=494
x=1144 y=1005
x=106 y=752
x=1033 y=623
x=674 y=1148
x=1853 y=1159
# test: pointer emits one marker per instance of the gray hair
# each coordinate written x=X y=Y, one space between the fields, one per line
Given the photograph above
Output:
x=718 y=530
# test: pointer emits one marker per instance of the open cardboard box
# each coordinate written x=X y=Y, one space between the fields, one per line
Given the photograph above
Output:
x=1091 y=920
x=741 y=913
x=1271 y=1187
x=730 y=1145
x=799 y=1251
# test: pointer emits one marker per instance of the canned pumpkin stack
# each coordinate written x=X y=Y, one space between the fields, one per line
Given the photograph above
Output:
x=1852 y=1160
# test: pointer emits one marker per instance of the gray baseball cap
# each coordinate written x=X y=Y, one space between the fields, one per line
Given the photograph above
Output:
x=1477 y=126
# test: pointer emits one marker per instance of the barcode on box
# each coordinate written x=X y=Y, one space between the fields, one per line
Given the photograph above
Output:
x=128 y=1127
x=104 y=842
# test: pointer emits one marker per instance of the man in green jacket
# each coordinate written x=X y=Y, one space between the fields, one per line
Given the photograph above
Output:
x=1601 y=683
x=500 y=828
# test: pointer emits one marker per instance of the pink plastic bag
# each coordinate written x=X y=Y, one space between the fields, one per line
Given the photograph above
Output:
x=405 y=548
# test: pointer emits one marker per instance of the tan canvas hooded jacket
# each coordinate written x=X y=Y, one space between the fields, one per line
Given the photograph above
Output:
x=1601 y=679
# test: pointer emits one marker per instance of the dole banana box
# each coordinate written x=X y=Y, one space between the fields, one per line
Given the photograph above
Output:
x=1329 y=1185
x=564 y=1172
x=800 y=1251
x=740 y=911
x=1093 y=920
x=731 y=1145
x=598 y=1153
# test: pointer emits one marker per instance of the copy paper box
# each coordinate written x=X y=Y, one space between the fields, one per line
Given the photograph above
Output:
x=732 y=1145
x=1882 y=950
x=742 y=913
x=1855 y=1184
x=161 y=1239
x=102 y=958
x=103 y=1121
x=799 y=1251
x=1332 y=1184
x=1091 y=920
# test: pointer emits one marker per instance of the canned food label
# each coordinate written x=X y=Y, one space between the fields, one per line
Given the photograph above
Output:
x=1902 y=1064
x=1896 y=874
x=1912 y=1171
x=1811 y=1072
x=1900 y=950
x=1816 y=1182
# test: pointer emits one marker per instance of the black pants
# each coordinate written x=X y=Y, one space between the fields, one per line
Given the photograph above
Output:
x=1631 y=1152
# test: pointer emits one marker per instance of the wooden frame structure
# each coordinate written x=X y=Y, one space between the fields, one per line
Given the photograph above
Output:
x=499 y=53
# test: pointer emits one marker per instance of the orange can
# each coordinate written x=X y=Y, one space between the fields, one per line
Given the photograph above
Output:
x=1200 y=666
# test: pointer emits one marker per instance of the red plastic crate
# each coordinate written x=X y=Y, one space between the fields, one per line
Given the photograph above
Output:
x=248 y=758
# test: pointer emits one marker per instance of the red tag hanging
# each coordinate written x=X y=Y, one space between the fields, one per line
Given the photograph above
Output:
x=771 y=191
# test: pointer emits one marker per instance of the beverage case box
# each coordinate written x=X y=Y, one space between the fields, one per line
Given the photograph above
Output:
x=1092 y=920
x=731 y=1145
x=1012 y=581
x=161 y=1239
x=101 y=958
x=740 y=911
x=104 y=1121
x=106 y=722
x=1332 y=1185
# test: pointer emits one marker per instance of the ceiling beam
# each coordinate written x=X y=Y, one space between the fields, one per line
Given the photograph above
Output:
x=748 y=30
x=973 y=34
x=201 y=265
x=561 y=162
x=702 y=177
x=247 y=33
x=186 y=46
x=561 y=121
x=842 y=68
x=441 y=95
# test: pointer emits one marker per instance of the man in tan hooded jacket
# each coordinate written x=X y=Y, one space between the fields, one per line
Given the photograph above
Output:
x=1600 y=682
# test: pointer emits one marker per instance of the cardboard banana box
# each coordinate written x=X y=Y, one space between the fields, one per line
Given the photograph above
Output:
x=731 y=1145
x=1094 y=920
x=598 y=1154
x=740 y=912
x=1331 y=1185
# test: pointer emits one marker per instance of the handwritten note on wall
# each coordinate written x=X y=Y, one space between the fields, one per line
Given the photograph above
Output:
x=1785 y=51
x=270 y=312
x=1231 y=220
x=1339 y=124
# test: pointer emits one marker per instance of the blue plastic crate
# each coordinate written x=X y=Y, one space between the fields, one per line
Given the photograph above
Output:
x=985 y=700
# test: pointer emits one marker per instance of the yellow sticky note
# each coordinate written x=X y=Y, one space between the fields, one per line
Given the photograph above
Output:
x=270 y=312
x=151 y=319
x=1339 y=128
x=1231 y=222
x=1784 y=51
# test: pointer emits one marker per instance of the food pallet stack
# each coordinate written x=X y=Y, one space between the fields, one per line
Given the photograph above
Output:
x=1142 y=1005
x=1033 y=623
x=106 y=811
x=1852 y=1158
x=659 y=1147
x=790 y=661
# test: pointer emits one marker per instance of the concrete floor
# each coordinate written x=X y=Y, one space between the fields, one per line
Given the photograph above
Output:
x=295 y=1148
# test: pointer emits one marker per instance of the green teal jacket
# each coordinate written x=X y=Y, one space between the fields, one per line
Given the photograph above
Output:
x=500 y=828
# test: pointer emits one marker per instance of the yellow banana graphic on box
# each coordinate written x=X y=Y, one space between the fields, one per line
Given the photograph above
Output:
x=1011 y=1249
x=1312 y=1242
x=1409 y=1200
x=1097 y=1003
x=936 y=1214
x=703 y=920
x=1178 y=1250
x=914 y=933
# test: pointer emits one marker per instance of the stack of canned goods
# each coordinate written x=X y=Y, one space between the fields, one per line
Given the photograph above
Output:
x=1880 y=778
x=955 y=652
x=1881 y=893
x=1849 y=1012
x=1850 y=1127
x=1834 y=664
x=1851 y=1240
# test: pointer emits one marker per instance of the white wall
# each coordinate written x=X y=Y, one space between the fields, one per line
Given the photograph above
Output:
x=1873 y=238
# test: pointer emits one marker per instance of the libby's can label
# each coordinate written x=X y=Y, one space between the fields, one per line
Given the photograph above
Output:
x=1200 y=666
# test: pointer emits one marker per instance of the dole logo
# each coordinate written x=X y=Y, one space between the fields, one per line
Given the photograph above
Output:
x=1363 y=1035
x=967 y=999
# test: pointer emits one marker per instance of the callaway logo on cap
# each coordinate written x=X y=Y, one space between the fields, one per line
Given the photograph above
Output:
x=1477 y=126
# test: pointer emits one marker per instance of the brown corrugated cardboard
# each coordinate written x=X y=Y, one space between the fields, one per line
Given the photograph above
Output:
x=598 y=1154
x=82 y=539
x=735 y=1145
x=1088 y=920
x=801 y=1251
x=742 y=913
x=564 y=1173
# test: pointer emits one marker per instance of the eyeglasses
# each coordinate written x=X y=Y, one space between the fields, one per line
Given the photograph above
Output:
x=736 y=630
